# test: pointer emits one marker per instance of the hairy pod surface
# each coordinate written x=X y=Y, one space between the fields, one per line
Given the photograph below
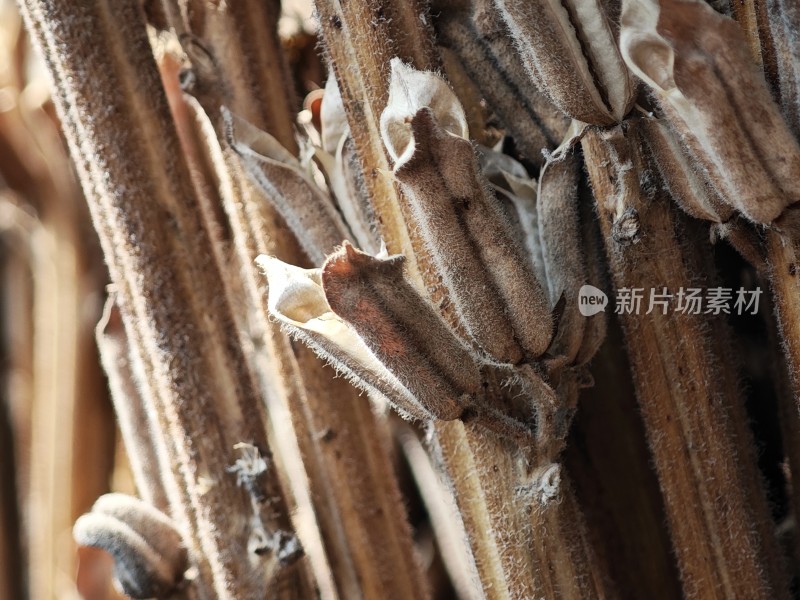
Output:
x=492 y=284
x=297 y=301
x=698 y=64
x=571 y=52
x=402 y=329
x=307 y=210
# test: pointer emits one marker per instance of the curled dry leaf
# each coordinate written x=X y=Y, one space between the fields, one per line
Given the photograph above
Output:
x=409 y=91
x=148 y=551
x=697 y=63
x=571 y=53
x=307 y=210
x=402 y=329
x=491 y=282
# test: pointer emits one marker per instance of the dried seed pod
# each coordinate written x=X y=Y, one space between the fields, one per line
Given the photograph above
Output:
x=308 y=212
x=510 y=182
x=686 y=186
x=562 y=252
x=402 y=329
x=491 y=282
x=478 y=36
x=297 y=301
x=698 y=64
x=149 y=556
x=571 y=52
x=784 y=28
x=409 y=91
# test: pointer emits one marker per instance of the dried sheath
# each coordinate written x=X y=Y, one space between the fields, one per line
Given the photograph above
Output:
x=307 y=210
x=698 y=64
x=571 y=52
x=402 y=329
x=491 y=281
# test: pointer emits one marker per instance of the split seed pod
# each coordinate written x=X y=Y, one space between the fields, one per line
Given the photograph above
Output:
x=478 y=36
x=491 y=281
x=307 y=210
x=148 y=551
x=402 y=329
x=703 y=76
x=297 y=301
x=571 y=52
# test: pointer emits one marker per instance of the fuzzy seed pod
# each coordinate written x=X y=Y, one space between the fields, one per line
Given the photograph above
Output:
x=571 y=52
x=308 y=212
x=409 y=91
x=562 y=251
x=402 y=329
x=698 y=64
x=686 y=186
x=148 y=551
x=297 y=301
x=490 y=279
x=478 y=36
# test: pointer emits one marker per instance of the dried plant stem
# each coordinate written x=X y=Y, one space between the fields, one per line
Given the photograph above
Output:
x=368 y=551
x=360 y=39
x=121 y=136
x=134 y=413
x=784 y=275
x=695 y=436
x=12 y=559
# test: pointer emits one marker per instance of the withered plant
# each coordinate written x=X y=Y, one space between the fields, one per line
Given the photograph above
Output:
x=427 y=333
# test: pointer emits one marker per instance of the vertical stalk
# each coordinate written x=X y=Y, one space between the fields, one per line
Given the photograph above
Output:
x=683 y=388
x=357 y=506
x=159 y=255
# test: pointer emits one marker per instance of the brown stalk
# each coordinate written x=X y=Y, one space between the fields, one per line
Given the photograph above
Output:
x=357 y=506
x=160 y=259
x=135 y=412
x=696 y=437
